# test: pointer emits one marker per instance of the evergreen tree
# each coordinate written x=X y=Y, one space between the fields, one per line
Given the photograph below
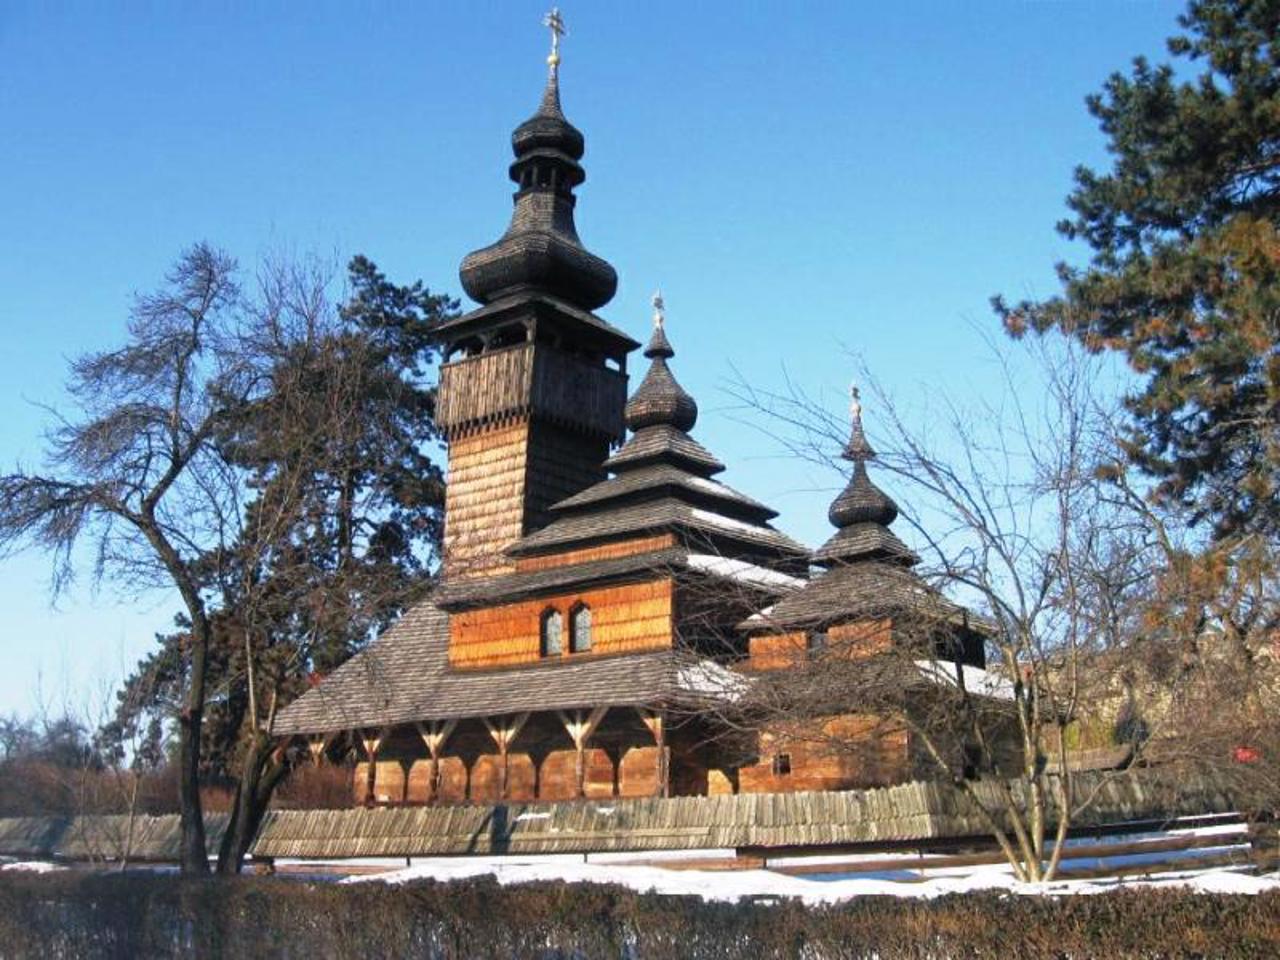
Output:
x=1185 y=272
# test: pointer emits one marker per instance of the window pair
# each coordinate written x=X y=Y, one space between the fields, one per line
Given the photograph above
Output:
x=552 y=643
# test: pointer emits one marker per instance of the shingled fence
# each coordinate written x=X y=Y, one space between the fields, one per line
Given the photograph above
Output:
x=919 y=815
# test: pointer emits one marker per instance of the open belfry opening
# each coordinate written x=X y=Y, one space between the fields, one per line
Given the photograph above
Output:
x=604 y=597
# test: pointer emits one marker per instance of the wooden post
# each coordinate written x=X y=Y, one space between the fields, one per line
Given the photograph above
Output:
x=653 y=719
x=581 y=725
x=371 y=742
x=434 y=733
x=317 y=746
x=504 y=733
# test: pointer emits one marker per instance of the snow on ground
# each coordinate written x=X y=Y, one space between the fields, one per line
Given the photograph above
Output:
x=825 y=888
x=33 y=866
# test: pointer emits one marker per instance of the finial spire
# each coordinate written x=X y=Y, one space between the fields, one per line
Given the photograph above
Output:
x=857 y=448
x=555 y=23
x=659 y=345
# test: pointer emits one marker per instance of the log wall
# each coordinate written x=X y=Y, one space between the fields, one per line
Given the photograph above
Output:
x=873 y=752
x=627 y=618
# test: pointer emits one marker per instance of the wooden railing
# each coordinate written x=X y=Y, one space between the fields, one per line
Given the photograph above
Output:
x=531 y=379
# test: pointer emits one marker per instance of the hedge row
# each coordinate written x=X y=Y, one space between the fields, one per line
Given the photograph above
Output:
x=143 y=915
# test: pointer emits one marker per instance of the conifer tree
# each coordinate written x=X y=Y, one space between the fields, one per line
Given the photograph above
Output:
x=1184 y=277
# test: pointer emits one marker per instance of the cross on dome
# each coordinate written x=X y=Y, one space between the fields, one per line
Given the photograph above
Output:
x=659 y=309
x=555 y=23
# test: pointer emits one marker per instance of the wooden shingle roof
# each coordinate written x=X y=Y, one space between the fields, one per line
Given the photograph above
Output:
x=404 y=677
x=665 y=513
x=665 y=444
x=857 y=591
x=659 y=476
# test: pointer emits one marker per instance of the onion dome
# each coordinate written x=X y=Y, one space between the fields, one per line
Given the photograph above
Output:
x=541 y=250
x=863 y=512
x=660 y=400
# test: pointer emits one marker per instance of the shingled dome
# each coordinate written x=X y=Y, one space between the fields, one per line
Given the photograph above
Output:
x=863 y=512
x=660 y=400
x=862 y=502
x=541 y=250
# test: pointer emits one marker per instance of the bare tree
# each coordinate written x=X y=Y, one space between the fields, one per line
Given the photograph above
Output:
x=1033 y=547
x=137 y=473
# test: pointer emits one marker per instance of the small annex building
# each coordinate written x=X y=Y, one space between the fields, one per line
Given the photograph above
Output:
x=603 y=591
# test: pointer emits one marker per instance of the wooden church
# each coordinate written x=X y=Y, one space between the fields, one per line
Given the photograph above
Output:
x=604 y=596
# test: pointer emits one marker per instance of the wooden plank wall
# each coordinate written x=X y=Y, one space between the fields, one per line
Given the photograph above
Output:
x=532 y=378
x=624 y=619
x=485 y=388
x=484 y=500
x=585 y=394
x=607 y=551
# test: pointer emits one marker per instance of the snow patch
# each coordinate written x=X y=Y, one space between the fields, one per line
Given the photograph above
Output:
x=731 y=885
x=711 y=679
x=728 y=523
x=33 y=866
x=743 y=572
x=984 y=683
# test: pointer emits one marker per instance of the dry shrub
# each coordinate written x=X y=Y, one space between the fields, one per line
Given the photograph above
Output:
x=316 y=787
x=147 y=915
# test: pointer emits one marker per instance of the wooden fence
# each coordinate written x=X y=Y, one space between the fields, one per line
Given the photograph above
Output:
x=918 y=815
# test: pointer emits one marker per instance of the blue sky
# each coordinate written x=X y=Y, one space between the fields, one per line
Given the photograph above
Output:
x=805 y=182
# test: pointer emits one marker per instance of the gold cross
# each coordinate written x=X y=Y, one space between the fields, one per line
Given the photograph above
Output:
x=555 y=23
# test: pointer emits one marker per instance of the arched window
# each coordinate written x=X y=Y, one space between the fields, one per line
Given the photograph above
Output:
x=580 y=625
x=552 y=627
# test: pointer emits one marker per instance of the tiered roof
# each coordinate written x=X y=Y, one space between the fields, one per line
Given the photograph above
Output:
x=868 y=569
x=663 y=482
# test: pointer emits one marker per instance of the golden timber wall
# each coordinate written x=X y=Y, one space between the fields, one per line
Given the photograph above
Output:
x=626 y=618
x=872 y=752
x=777 y=651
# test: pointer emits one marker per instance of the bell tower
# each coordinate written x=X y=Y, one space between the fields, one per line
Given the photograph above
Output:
x=533 y=384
